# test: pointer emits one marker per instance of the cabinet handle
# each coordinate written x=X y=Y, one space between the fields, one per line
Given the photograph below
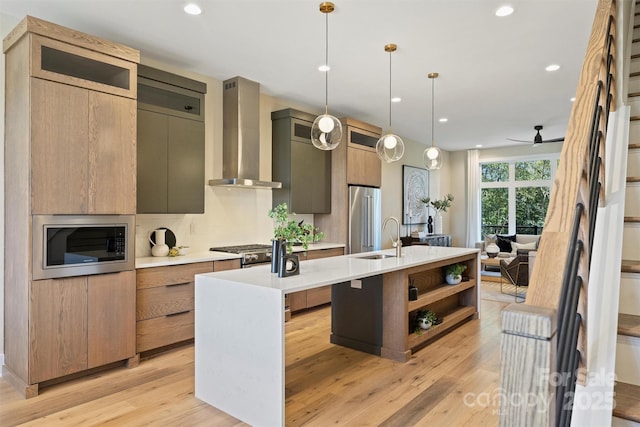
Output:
x=177 y=284
x=188 y=107
x=178 y=313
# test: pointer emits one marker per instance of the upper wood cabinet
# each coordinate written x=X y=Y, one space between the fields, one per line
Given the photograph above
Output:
x=304 y=170
x=353 y=162
x=363 y=164
x=170 y=143
x=83 y=151
x=64 y=63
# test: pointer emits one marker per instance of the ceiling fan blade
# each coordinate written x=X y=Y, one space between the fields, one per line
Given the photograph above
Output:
x=553 y=140
x=518 y=140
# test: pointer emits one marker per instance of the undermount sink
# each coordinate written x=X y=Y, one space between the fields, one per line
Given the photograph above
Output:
x=376 y=256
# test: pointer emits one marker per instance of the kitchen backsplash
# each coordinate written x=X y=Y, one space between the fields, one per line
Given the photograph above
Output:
x=232 y=216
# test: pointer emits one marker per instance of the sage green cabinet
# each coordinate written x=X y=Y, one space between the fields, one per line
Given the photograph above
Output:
x=304 y=170
x=170 y=144
x=170 y=164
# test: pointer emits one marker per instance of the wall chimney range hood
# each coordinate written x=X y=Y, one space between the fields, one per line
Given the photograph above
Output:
x=241 y=136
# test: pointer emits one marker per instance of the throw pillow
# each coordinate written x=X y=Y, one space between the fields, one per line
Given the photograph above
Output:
x=516 y=246
x=504 y=242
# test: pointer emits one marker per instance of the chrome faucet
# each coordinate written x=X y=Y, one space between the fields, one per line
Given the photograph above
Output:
x=395 y=243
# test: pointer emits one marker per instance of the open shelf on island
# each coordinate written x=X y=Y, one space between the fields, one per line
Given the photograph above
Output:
x=449 y=320
x=439 y=293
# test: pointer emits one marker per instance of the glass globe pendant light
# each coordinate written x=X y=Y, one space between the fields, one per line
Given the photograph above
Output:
x=432 y=156
x=326 y=131
x=390 y=147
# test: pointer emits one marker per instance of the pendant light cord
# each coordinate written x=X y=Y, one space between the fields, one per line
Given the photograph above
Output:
x=390 y=90
x=433 y=95
x=326 y=63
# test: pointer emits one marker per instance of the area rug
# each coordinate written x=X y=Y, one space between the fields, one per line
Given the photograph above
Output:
x=491 y=291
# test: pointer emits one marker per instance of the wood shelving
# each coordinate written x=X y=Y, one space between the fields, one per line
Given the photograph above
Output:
x=452 y=304
x=440 y=293
x=449 y=320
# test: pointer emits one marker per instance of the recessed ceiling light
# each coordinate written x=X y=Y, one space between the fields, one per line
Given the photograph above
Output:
x=573 y=99
x=443 y=120
x=504 y=11
x=192 y=9
x=324 y=68
x=552 y=67
x=478 y=145
x=396 y=99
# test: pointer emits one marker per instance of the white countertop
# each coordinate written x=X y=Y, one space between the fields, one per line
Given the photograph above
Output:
x=327 y=271
x=151 y=261
x=159 y=261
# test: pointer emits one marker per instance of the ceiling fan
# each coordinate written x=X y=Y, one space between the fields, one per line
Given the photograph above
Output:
x=538 y=138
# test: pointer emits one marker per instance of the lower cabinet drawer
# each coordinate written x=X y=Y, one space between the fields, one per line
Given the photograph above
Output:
x=318 y=296
x=163 y=300
x=161 y=331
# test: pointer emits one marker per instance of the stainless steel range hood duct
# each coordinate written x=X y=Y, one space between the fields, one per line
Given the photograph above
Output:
x=241 y=136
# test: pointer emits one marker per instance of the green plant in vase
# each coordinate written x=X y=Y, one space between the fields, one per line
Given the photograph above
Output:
x=425 y=319
x=291 y=231
x=439 y=206
x=453 y=273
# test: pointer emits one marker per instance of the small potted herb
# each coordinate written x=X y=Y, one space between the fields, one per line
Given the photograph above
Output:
x=425 y=319
x=288 y=229
x=453 y=273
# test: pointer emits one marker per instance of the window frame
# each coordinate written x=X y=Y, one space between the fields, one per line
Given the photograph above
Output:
x=512 y=184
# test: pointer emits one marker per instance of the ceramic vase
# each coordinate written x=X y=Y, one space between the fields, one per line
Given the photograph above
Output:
x=159 y=248
x=453 y=280
x=424 y=324
x=438 y=223
x=278 y=247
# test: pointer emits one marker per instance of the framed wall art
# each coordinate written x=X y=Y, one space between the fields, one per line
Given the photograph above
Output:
x=415 y=186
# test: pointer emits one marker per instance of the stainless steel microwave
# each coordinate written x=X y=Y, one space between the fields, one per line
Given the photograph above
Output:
x=77 y=245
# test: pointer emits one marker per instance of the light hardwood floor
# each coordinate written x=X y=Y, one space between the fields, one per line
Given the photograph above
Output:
x=453 y=381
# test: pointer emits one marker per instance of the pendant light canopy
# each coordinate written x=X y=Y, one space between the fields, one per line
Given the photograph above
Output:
x=432 y=156
x=326 y=131
x=390 y=147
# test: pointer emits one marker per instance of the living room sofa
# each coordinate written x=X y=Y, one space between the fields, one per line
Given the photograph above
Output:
x=522 y=241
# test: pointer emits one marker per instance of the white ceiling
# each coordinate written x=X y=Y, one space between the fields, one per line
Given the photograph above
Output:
x=492 y=86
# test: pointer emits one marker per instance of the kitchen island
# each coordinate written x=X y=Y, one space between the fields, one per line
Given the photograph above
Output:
x=239 y=331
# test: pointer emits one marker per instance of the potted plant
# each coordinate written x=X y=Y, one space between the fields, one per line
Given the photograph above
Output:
x=453 y=273
x=287 y=229
x=439 y=206
x=425 y=319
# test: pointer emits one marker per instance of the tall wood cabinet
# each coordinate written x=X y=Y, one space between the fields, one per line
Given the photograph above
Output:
x=70 y=148
x=353 y=162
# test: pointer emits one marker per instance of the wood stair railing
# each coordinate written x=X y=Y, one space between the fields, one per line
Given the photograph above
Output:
x=544 y=340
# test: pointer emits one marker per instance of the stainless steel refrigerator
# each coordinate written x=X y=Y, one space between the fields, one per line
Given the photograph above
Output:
x=365 y=222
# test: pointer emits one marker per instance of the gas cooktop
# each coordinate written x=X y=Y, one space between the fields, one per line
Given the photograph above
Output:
x=241 y=249
x=251 y=254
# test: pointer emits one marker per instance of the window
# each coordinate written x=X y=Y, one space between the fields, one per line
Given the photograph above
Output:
x=514 y=195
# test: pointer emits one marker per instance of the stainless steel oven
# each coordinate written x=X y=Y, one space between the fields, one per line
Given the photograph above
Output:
x=77 y=245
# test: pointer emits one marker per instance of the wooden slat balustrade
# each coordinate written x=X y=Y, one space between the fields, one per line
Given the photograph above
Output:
x=569 y=226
